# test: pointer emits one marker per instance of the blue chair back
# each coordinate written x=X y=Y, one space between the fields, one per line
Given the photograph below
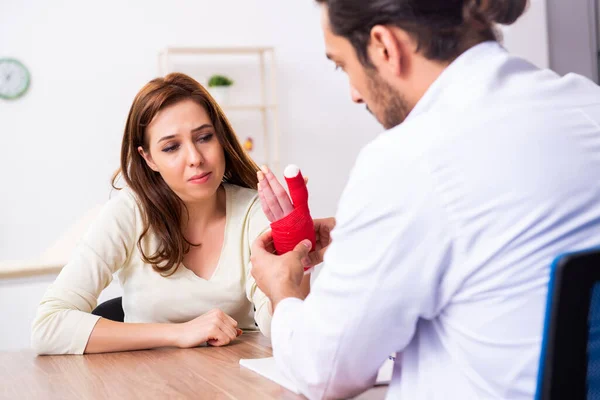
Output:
x=570 y=356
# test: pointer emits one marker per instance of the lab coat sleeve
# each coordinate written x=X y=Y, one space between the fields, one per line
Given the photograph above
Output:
x=390 y=249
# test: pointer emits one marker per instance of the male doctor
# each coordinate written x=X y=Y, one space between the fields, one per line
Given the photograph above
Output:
x=488 y=169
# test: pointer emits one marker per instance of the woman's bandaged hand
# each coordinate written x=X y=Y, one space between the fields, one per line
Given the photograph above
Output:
x=290 y=218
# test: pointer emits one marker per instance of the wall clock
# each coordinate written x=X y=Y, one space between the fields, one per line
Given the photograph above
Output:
x=14 y=79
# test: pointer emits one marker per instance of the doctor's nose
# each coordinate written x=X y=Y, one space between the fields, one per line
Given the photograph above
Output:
x=356 y=97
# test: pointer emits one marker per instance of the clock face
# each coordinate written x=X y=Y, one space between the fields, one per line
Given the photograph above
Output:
x=14 y=78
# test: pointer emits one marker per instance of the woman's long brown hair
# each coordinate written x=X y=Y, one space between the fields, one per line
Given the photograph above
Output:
x=162 y=210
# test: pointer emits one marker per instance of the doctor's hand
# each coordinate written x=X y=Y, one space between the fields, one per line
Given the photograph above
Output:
x=279 y=277
x=323 y=228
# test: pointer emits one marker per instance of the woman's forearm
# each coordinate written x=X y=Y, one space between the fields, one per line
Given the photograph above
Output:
x=111 y=336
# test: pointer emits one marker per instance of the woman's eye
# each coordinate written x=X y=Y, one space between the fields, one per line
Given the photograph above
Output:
x=170 y=148
x=205 y=138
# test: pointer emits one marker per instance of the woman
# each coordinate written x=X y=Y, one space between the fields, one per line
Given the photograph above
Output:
x=178 y=236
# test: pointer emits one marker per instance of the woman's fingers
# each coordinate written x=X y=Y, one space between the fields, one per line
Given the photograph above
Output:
x=271 y=201
x=229 y=331
x=229 y=320
x=280 y=194
x=265 y=207
x=224 y=329
x=218 y=337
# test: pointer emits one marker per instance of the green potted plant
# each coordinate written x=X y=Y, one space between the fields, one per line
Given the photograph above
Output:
x=218 y=86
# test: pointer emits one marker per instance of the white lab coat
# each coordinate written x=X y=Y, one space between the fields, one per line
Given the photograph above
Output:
x=446 y=231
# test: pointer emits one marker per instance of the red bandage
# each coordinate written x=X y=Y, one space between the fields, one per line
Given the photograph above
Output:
x=298 y=225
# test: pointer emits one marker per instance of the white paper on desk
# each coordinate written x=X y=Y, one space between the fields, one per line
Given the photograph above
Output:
x=268 y=368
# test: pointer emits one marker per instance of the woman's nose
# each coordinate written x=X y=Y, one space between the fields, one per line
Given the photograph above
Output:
x=194 y=156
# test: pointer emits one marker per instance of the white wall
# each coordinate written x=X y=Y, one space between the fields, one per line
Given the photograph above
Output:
x=60 y=143
x=528 y=37
x=19 y=299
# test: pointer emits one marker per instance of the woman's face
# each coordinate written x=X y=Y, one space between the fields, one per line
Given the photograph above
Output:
x=183 y=147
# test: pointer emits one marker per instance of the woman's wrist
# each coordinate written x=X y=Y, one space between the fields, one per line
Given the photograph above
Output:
x=172 y=334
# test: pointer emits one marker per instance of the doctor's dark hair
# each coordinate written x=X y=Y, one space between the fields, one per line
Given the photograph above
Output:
x=443 y=29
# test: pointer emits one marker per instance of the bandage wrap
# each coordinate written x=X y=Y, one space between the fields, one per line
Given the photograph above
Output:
x=298 y=225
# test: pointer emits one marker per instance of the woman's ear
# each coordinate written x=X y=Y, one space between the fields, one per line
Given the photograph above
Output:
x=148 y=158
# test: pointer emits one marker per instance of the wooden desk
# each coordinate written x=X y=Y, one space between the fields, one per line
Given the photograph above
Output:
x=200 y=373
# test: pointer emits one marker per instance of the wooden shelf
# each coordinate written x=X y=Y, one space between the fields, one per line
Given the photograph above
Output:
x=247 y=107
x=24 y=269
x=216 y=50
x=268 y=90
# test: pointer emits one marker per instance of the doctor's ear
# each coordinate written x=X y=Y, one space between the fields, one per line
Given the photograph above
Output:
x=387 y=48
